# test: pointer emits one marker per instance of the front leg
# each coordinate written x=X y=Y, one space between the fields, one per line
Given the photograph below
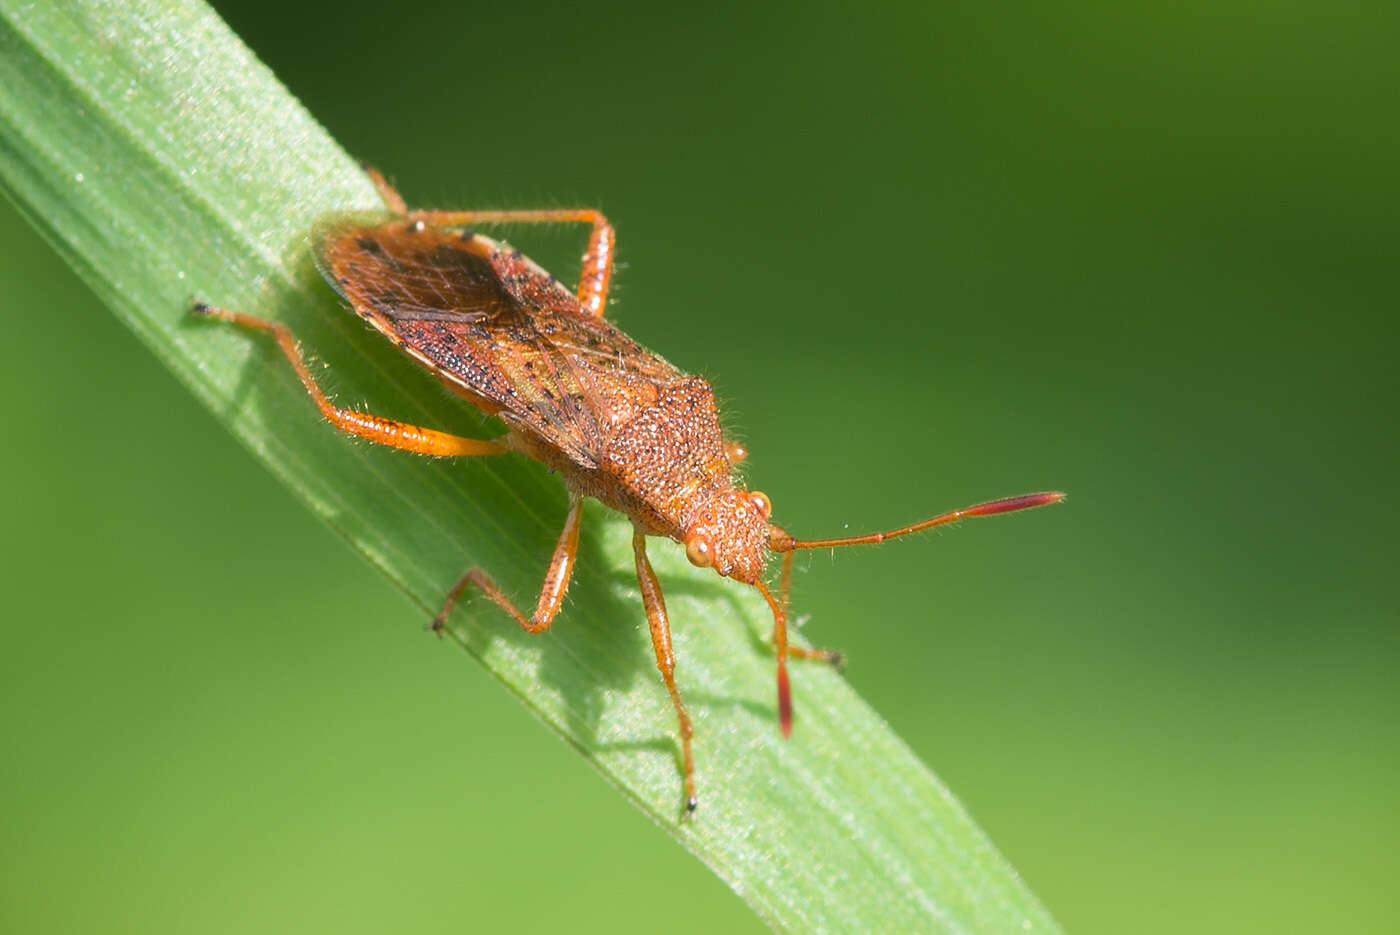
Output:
x=832 y=656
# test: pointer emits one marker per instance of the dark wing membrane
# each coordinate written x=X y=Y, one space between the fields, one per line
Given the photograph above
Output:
x=494 y=324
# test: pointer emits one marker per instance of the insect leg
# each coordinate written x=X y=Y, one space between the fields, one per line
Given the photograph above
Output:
x=597 y=259
x=832 y=656
x=556 y=581
x=665 y=658
x=378 y=429
x=392 y=199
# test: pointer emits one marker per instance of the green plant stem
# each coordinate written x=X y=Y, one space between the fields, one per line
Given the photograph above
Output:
x=164 y=162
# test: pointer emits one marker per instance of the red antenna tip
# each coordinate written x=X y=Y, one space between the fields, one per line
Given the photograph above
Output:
x=1023 y=502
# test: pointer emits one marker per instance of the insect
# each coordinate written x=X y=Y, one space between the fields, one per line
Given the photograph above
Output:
x=617 y=422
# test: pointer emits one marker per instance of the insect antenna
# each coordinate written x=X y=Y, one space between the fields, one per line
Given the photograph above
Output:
x=782 y=542
x=780 y=644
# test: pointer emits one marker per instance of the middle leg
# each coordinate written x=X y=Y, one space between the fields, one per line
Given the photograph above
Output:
x=556 y=581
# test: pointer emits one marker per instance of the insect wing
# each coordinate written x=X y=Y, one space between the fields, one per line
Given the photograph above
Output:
x=514 y=340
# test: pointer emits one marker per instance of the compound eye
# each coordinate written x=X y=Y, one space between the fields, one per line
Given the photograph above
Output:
x=697 y=549
x=761 y=503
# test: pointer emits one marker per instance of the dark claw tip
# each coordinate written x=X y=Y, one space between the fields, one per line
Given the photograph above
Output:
x=838 y=661
x=691 y=804
x=199 y=308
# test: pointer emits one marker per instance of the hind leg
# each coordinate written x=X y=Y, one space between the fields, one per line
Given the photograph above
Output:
x=383 y=431
x=593 y=282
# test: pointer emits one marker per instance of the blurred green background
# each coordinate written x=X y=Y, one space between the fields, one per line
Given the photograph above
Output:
x=929 y=256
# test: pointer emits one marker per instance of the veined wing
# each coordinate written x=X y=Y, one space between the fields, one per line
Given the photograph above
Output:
x=514 y=340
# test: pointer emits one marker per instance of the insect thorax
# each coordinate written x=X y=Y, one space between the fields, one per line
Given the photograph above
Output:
x=668 y=470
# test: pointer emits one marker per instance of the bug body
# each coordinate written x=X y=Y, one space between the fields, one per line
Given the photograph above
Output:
x=616 y=421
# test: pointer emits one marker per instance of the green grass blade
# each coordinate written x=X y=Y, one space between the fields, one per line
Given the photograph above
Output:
x=165 y=162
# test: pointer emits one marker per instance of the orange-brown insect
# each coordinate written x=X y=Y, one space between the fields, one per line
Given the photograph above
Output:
x=616 y=421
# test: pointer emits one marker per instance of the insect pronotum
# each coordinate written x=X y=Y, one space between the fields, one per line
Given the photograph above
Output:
x=617 y=422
